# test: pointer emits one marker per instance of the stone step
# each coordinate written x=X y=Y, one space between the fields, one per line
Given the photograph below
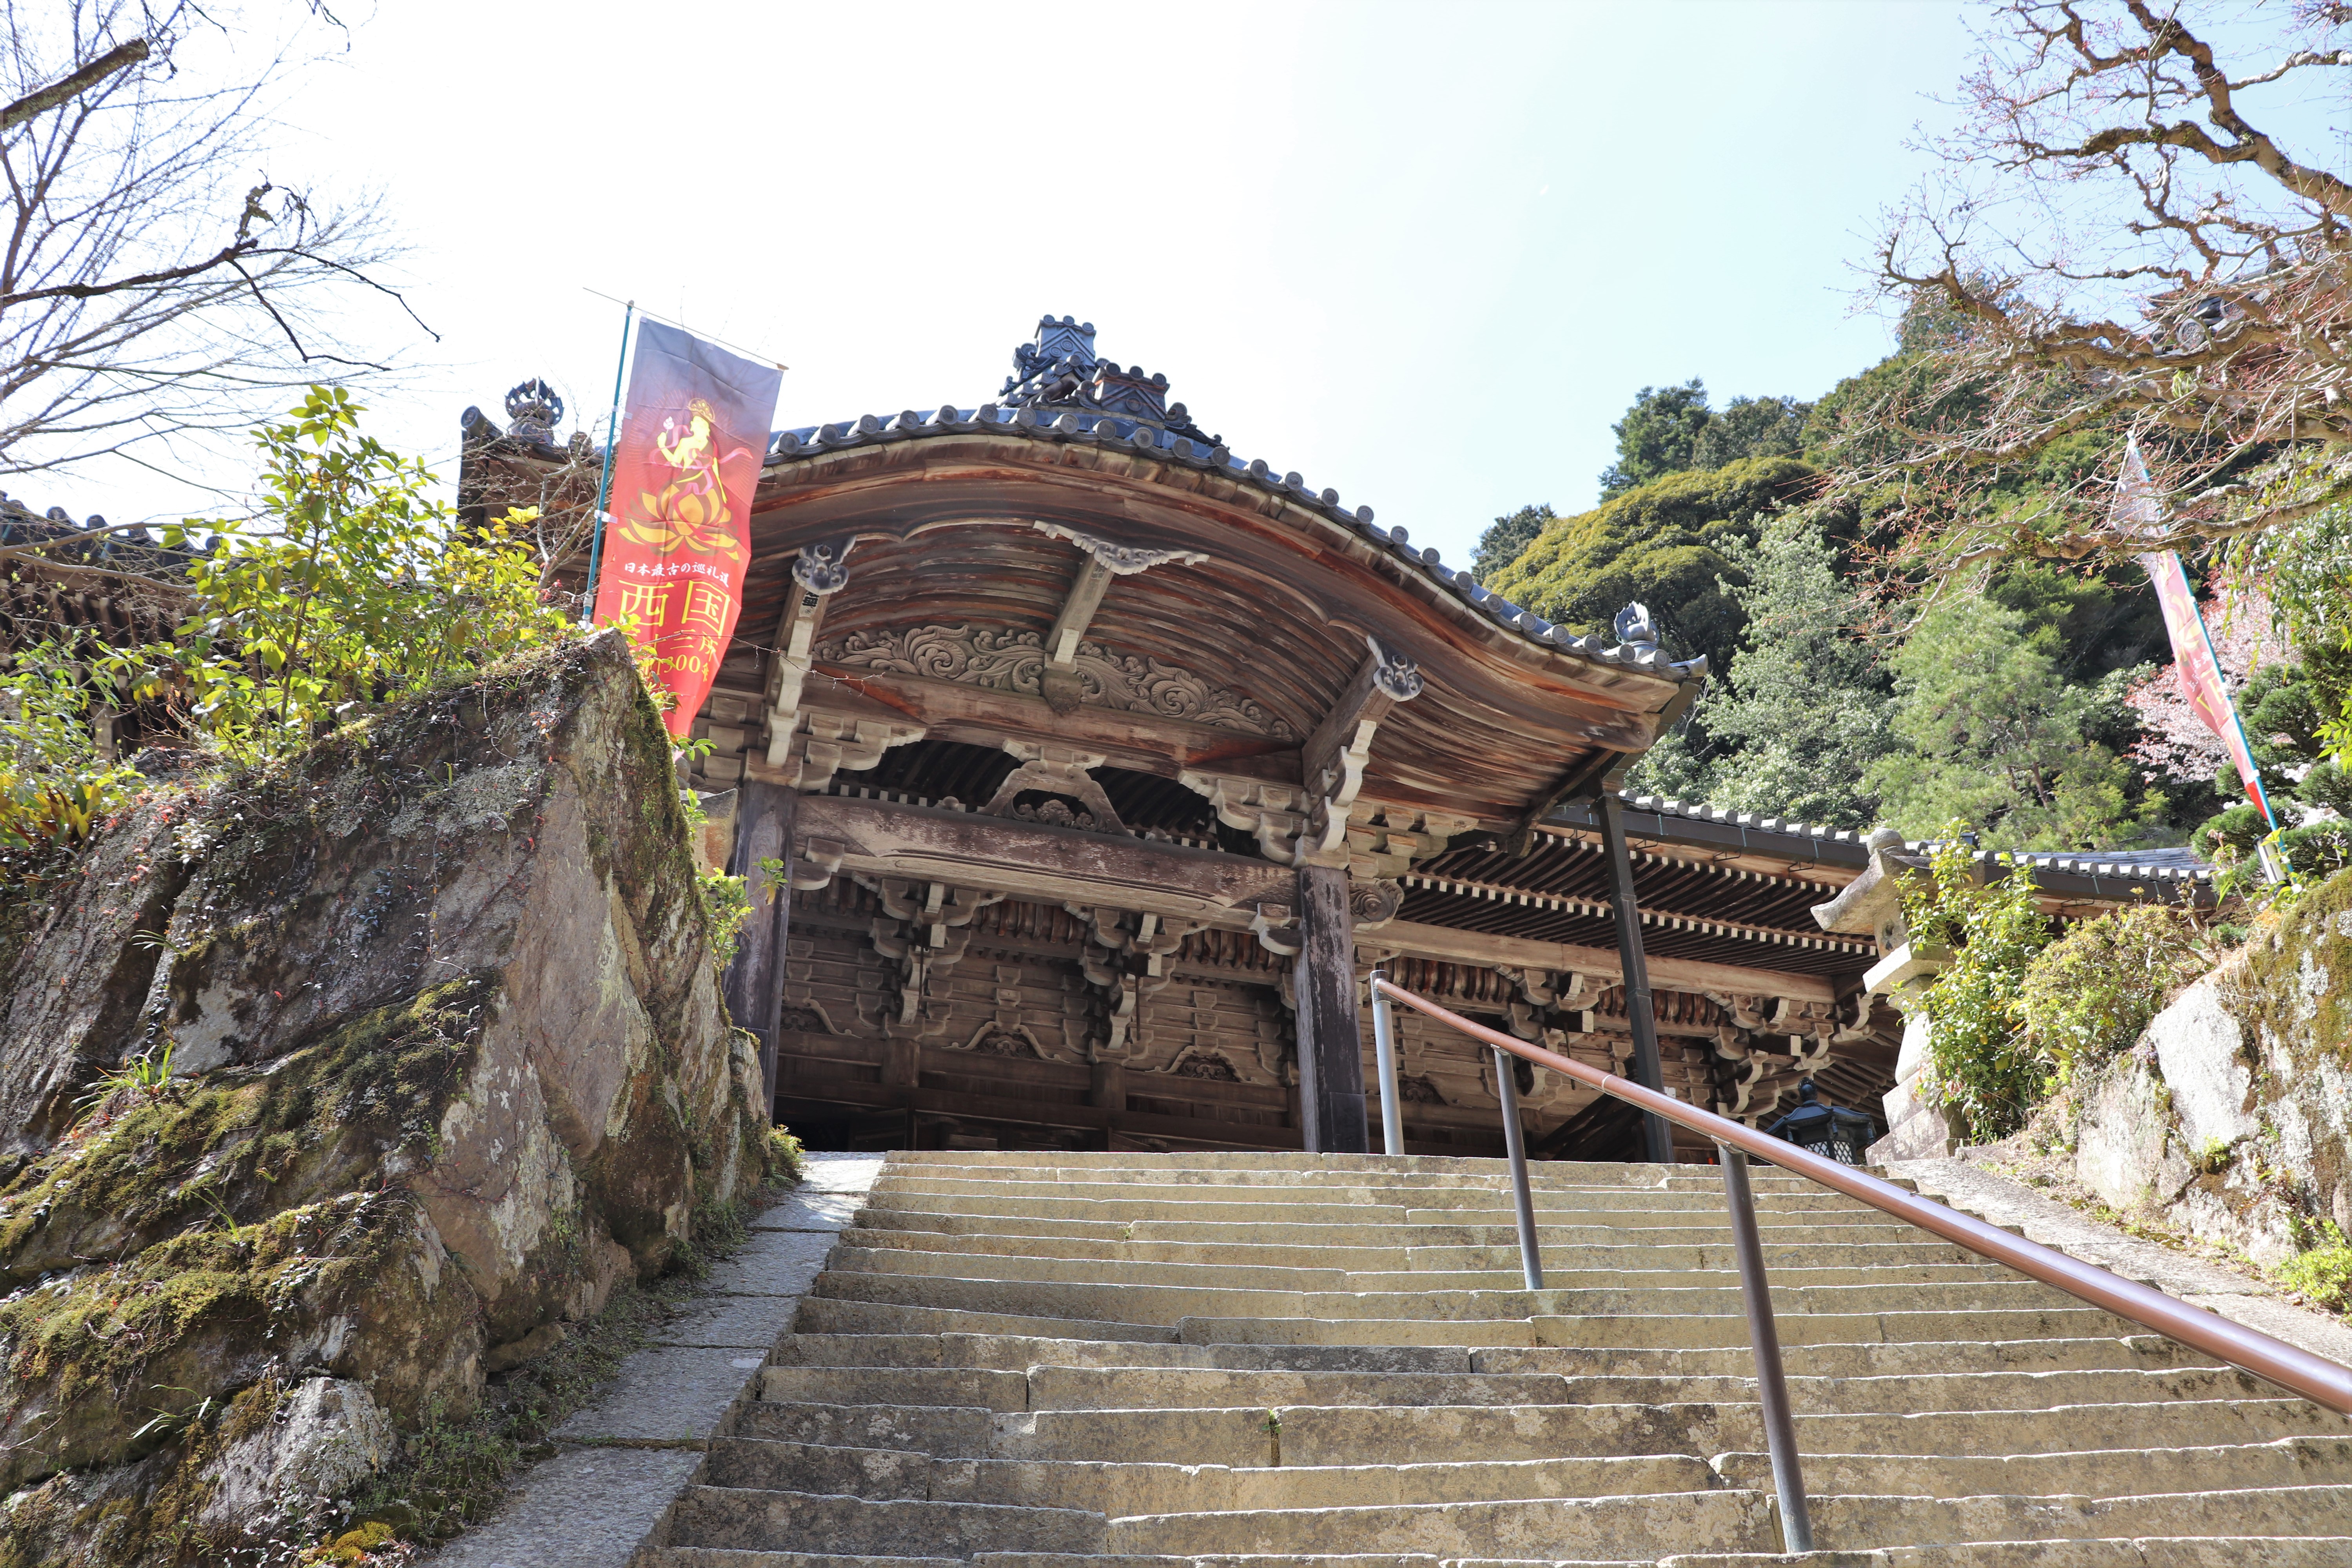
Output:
x=1004 y=1353
x=2282 y=1511
x=1436 y=1231
x=1016 y=1354
x=1048 y=1387
x=2212 y=1551
x=1351 y=1435
x=809 y=1522
x=1645 y=1332
x=1429 y=1265
x=1102 y=1263
x=1043 y=1288
x=2103 y=1472
x=1410 y=1207
x=1126 y=1489
x=1439 y=1194
x=1207 y=1169
x=1120 y=1488
x=2146 y=1551
x=1726 y=1521
x=1588 y=1528
x=824 y=1314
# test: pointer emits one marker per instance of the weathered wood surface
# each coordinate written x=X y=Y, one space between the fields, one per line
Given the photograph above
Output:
x=1418 y=941
x=1053 y=864
x=1331 y=1040
x=1279 y=612
x=981 y=716
x=754 y=982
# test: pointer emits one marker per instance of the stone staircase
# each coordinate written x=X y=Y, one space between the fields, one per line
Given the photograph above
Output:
x=1030 y=1360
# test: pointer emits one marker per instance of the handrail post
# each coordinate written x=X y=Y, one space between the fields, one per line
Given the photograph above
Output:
x=1772 y=1383
x=1384 y=1052
x=1515 y=1145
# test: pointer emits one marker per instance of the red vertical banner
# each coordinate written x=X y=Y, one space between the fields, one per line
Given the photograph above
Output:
x=693 y=433
x=2199 y=672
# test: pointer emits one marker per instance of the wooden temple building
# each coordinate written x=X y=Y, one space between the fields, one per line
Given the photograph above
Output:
x=1102 y=765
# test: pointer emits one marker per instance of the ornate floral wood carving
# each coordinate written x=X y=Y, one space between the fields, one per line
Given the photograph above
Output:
x=1006 y=661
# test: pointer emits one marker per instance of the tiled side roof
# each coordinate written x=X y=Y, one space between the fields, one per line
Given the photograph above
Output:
x=1074 y=426
x=2170 y=865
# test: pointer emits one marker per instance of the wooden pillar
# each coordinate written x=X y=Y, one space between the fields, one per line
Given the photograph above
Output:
x=1330 y=1042
x=1657 y=1136
x=1109 y=1090
x=755 y=981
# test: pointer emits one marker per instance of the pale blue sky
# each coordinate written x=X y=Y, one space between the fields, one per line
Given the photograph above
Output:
x=1422 y=254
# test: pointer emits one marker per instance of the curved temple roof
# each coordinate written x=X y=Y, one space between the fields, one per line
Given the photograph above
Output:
x=1136 y=434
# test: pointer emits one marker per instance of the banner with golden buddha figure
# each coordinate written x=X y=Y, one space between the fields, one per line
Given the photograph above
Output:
x=677 y=526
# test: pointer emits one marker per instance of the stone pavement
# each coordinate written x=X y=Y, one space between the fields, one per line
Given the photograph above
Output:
x=627 y=1454
x=2014 y=1206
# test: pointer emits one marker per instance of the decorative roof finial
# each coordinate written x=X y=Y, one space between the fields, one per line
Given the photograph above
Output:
x=534 y=411
x=1633 y=625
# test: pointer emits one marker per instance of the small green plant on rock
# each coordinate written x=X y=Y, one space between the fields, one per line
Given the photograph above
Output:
x=726 y=905
x=2323 y=1274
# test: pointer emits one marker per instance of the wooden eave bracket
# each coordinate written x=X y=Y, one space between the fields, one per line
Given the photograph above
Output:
x=1104 y=560
x=817 y=575
x=1331 y=764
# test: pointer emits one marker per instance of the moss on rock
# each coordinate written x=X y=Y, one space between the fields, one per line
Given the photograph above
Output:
x=450 y=1064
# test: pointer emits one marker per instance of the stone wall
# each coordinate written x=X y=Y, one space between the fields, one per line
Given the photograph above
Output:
x=448 y=1062
x=2232 y=1117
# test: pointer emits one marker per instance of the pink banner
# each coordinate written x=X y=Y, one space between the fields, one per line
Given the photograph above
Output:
x=2201 y=681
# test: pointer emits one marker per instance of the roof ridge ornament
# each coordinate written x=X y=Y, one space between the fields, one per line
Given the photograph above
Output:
x=1634 y=626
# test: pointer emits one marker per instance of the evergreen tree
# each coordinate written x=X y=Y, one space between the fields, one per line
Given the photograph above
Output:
x=1994 y=736
x=1752 y=427
x=1657 y=436
x=1809 y=706
x=1504 y=543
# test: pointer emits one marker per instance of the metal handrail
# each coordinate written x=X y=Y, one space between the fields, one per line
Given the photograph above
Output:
x=2312 y=1377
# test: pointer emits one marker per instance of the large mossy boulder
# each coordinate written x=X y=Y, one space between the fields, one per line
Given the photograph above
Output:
x=448 y=1062
x=2230 y=1119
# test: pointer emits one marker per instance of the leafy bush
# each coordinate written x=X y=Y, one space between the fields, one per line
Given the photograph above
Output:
x=2087 y=995
x=1983 y=1067
x=2323 y=1273
x=726 y=905
x=352 y=584
x=53 y=785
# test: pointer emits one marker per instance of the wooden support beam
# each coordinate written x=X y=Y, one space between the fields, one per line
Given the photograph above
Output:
x=1332 y=764
x=1058 y=682
x=1414 y=940
x=755 y=980
x=1050 y=864
x=1077 y=609
x=817 y=575
x=981 y=716
x=1330 y=1044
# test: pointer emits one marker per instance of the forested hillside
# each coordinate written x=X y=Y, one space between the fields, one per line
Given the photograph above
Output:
x=2031 y=700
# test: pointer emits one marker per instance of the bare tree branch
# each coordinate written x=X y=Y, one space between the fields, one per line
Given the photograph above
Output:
x=156 y=296
x=2117 y=243
x=120 y=58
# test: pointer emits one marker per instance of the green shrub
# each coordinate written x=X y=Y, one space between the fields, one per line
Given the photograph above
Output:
x=2323 y=1273
x=1983 y=1068
x=2087 y=995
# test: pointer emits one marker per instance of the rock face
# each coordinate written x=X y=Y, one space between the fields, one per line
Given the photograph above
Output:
x=448 y=1060
x=2233 y=1115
